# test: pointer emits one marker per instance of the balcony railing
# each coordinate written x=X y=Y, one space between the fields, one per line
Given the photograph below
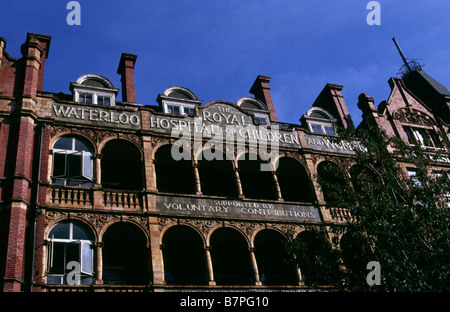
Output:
x=79 y=197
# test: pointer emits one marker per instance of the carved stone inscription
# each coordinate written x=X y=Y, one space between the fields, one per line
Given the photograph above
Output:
x=97 y=116
x=324 y=143
x=204 y=207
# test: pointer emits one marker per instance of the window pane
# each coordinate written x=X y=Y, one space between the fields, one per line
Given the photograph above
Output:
x=316 y=128
x=81 y=232
x=74 y=161
x=173 y=109
x=72 y=252
x=85 y=98
x=329 y=130
x=86 y=258
x=59 y=165
x=56 y=258
x=61 y=230
x=87 y=166
x=82 y=145
x=260 y=120
x=64 y=143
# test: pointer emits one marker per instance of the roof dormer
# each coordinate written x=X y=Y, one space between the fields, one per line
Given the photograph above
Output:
x=94 y=89
x=178 y=101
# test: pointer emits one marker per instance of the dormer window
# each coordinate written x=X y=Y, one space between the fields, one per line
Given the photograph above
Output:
x=85 y=98
x=178 y=101
x=94 y=89
x=104 y=100
x=173 y=109
x=257 y=108
x=318 y=120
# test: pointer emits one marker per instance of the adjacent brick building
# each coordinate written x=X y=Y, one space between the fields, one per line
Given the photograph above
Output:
x=177 y=194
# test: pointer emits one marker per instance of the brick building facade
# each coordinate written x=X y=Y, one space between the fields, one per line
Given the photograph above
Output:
x=179 y=194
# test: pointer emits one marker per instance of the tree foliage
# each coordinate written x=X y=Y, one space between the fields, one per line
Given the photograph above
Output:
x=401 y=222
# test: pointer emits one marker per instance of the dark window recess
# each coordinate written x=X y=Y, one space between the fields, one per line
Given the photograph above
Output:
x=230 y=258
x=121 y=166
x=184 y=257
x=217 y=177
x=174 y=176
x=256 y=183
x=125 y=260
x=294 y=182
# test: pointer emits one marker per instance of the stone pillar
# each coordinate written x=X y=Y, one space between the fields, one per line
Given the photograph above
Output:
x=98 y=170
x=99 y=263
x=198 y=185
x=277 y=186
x=156 y=253
x=255 y=267
x=238 y=183
x=211 y=281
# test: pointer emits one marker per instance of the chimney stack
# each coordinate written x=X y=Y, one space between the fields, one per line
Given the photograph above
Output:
x=261 y=91
x=35 y=52
x=126 y=70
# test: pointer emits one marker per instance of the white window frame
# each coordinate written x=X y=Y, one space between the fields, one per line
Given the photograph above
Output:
x=85 y=248
x=86 y=156
x=322 y=126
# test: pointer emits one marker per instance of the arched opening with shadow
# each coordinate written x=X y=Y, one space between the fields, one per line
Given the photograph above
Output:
x=272 y=257
x=356 y=254
x=174 y=176
x=121 y=166
x=318 y=262
x=295 y=184
x=184 y=257
x=125 y=256
x=230 y=258
x=256 y=183
x=332 y=181
x=217 y=175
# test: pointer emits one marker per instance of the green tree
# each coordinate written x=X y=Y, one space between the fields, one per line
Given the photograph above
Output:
x=402 y=222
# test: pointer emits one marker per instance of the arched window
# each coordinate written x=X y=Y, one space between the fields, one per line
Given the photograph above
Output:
x=256 y=183
x=121 y=166
x=271 y=257
x=69 y=250
x=217 y=176
x=72 y=161
x=230 y=258
x=184 y=257
x=294 y=182
x=125 y=259
x=174 y=176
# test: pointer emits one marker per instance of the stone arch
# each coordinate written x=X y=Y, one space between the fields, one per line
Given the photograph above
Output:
x=230 y=256
x=183 y=256
x=294 y=180
x=122 y=165
x=125 y=254
x=166 y=168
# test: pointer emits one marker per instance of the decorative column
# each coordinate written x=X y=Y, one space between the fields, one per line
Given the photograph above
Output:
x=255 y=267
x=238 y=183
x=277 y=186
x=300 y=277
x=99 y=264
x=98 y=169
x=211 y=281
x=198 y=186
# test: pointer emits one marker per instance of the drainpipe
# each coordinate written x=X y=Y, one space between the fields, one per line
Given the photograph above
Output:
x=37 y=208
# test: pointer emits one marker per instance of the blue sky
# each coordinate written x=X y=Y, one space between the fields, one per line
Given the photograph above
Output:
x=217 y=48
